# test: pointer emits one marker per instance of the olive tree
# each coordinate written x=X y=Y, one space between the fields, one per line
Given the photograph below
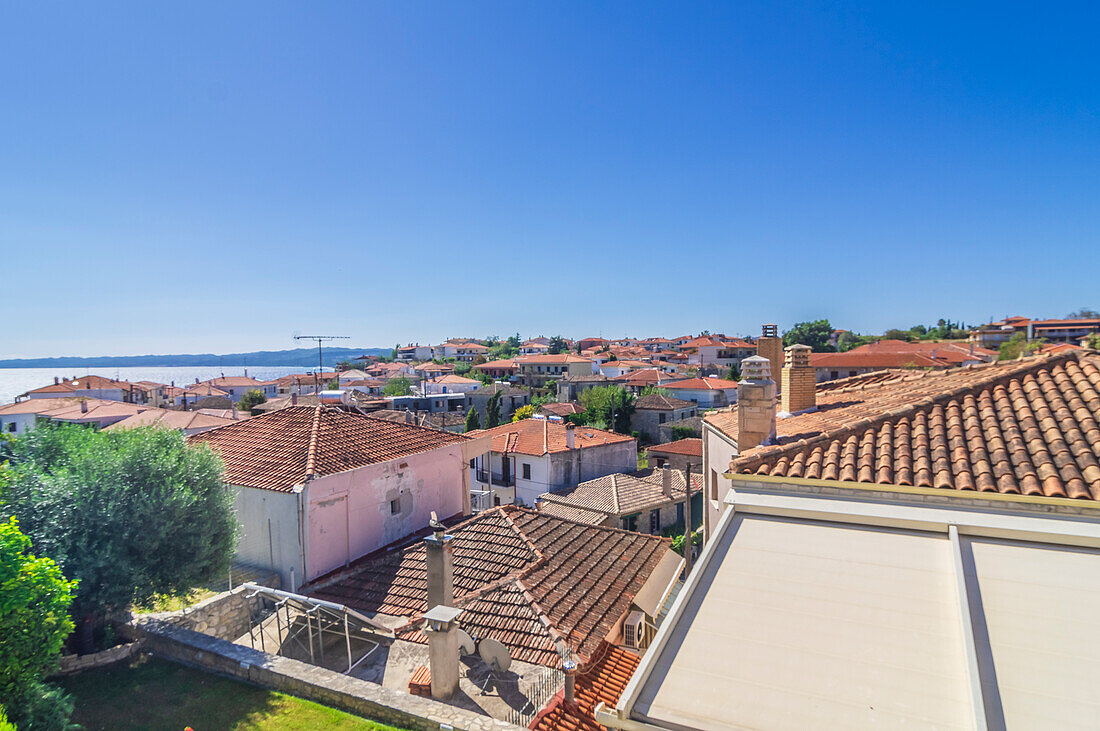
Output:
x=128 y=514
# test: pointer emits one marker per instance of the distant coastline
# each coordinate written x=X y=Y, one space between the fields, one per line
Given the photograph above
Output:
x=304 y=357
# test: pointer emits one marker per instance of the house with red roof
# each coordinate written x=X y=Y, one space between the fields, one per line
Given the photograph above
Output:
x=707 y=392
x=532 y=456
x=317 y=487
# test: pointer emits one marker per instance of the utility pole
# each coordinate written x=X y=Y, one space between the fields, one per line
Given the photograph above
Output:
x=320 y=362
x=688 y=542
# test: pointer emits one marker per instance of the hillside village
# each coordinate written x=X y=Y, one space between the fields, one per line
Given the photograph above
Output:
x=562 y=534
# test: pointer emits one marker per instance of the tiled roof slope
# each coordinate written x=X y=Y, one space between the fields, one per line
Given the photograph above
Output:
x=603 y=680
x=621 y=493
x=1024 y=427
x=661 y=402
x=542 y=436
x=691 y=446
x=513 y=569
x=279 y=449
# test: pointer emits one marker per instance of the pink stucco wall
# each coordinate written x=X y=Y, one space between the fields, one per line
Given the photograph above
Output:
x=349 y=514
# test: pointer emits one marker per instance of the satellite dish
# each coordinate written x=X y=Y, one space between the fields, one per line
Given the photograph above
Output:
x=495 y=655
x=466 y=644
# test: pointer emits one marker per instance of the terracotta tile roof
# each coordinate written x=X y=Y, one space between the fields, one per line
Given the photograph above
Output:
x=551 y=359
x=172 y=420
x=876 y=360
x=700 y=384
x=238 y=381
x=542 y=436
x=456 y=380
x=430 y=366
x=602 y=680
x=43 y=405
x=646 y=377
x=692 y=447
x=497 y=364
x=1028 y=426
x=97 y=410
x=280 y=449
x=84 y=383
x=622 y=493
x=562 y=409
x=574 y=513
x=523 y=577
x=660 y=402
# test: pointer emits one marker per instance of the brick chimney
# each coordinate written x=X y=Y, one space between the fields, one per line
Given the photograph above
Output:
x=770 y=346
x=755 y=404
x=799 y=381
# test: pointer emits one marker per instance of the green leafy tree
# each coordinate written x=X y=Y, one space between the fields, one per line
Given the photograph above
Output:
x=1085 y=313
x=492 y=410
x=557 y=345
x=252 y=397
x=332 y=385
x=473 y=420
x=462 y=369
x=655 y=390
x=895 y=334
x=400 y=386
x=128 y=514
x=609 y=405
x=846 y=341
x=523 y=412
x=1016 y=346
x=816 y=334
x=34 y=622
x=734 y=373
x=1093 y=341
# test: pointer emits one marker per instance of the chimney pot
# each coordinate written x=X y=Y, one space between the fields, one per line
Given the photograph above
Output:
x=569 y=669
x=799 y=381
x=755 y=404
x=56 y=380
x=84 y=406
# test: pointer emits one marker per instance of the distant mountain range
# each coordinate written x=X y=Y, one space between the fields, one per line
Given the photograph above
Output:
x=304 y=357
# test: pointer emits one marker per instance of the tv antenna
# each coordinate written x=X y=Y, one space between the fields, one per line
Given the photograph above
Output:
x=320 y=362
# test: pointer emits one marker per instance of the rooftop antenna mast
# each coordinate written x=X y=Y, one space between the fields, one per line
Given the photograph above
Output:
x=320 y=361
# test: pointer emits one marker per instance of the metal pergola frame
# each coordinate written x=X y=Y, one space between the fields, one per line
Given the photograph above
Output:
x=321 y=616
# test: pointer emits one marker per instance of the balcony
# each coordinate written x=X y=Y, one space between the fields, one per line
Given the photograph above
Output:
x=498 y=480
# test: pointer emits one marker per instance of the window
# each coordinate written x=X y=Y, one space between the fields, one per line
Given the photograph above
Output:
x=660 y=418
x=11 y=427
x=654 y=522
x=833 y=375
x=630 y=522
x=526 y=471
x=395 y=506
x=471 y=464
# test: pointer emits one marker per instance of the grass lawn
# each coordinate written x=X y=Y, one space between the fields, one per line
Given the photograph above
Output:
x=156 y=694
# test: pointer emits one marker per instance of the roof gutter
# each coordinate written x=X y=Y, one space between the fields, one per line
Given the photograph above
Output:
x=747 y=479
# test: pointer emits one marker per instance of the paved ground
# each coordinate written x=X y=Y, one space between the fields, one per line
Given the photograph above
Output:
x=513 y=696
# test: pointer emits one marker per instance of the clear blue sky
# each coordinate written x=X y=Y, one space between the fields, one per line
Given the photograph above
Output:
x=215 y=177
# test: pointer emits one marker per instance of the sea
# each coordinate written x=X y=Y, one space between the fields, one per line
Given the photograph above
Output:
x=15 y=381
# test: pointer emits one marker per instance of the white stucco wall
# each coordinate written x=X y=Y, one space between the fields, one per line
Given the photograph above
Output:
x=16 y=424
x=718 y=451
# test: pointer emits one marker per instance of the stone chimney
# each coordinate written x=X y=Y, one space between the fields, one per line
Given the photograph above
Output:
x=439 y=561
x=569 y=693
x=666 y=481
x=770 y=346
x=799 y=381
x=755 y=404
x=570 y=436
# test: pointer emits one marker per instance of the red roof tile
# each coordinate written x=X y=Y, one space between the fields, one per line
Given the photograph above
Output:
x=542 y=436
x=692 y=447
x=279 y=449
x=701 y=384
x=1028 y=427
x=522 y=577
x=602 y=680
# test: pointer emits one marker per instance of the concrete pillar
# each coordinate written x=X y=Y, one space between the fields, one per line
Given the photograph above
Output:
x=439 y=562
x=442 y=631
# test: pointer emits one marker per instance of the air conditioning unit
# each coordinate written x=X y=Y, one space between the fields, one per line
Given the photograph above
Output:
x=636 y=631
